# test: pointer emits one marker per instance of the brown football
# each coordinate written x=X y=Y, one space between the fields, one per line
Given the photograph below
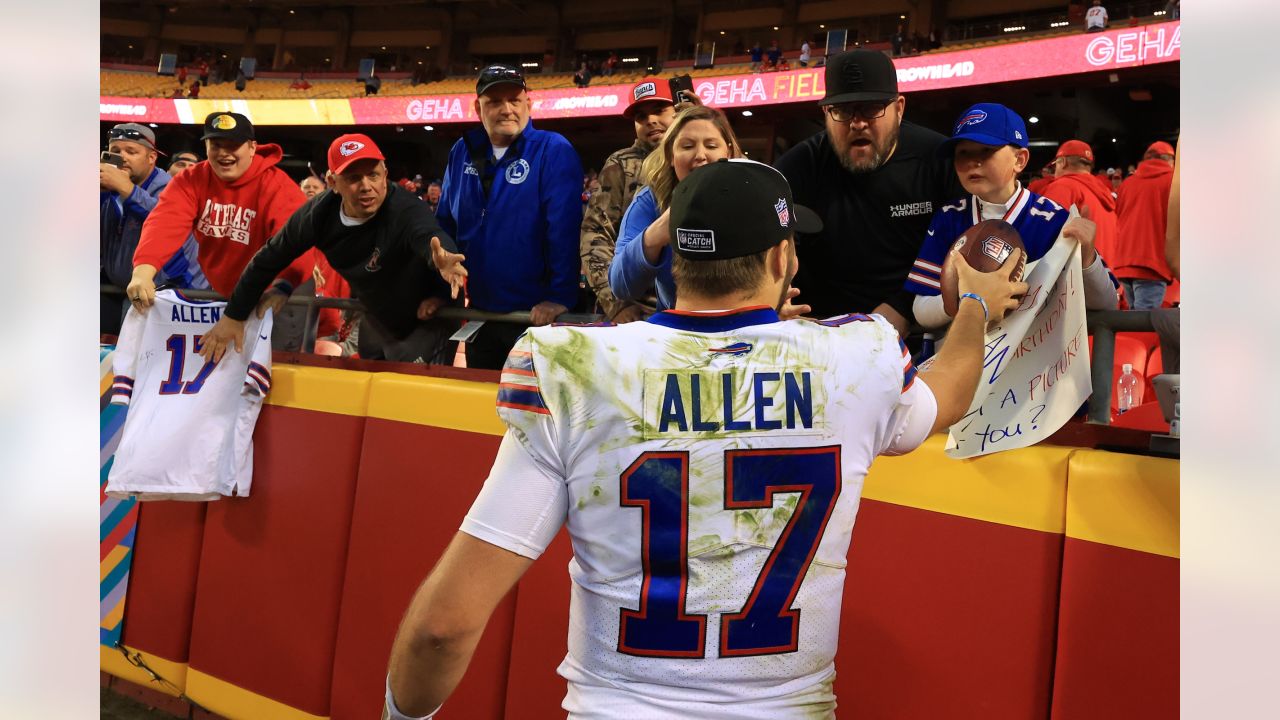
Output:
x=985 y=246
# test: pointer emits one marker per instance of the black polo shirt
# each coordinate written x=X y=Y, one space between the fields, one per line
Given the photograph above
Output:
x=874 y=222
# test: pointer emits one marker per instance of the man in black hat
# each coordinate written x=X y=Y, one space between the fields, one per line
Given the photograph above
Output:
x=233 y=203
x=876 y=181
x=652 y=438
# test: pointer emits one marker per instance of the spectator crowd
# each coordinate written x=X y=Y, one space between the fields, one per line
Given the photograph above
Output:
x=516 y=225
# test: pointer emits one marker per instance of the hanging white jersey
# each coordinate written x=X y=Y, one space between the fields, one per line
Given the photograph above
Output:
x=189 y=431
x=709 y=467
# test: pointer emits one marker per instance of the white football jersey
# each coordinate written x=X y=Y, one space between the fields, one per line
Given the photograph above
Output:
x=709 y=466
x=189 y=431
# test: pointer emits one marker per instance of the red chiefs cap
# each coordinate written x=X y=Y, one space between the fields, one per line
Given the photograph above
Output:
x=1078 y=148
x=1160 y=147
x=646 y=90
x=347 y=149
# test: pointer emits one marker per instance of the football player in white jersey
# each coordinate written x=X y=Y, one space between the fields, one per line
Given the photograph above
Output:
x=708 y=463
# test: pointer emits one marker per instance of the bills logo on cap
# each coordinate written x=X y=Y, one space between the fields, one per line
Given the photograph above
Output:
x=973 y=118
x=996 y=249
x=224 y=122
x=696 y=240
x=350 y=147
x=644 y=90
x=784 y=214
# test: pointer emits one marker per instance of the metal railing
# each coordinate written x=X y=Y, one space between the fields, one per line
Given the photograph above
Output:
x=315 y=302
x=1103 y=326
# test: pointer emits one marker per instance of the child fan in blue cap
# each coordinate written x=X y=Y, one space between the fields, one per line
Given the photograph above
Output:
x=989 y=143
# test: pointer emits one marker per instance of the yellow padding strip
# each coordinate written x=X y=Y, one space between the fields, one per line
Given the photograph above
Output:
x=1130 y=501
x=1025 y=488
x=343 y=392
x=114 y=663
x=439 y=402
x=235 y=702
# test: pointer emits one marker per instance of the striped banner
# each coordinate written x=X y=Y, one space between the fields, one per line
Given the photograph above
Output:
x=117 y=520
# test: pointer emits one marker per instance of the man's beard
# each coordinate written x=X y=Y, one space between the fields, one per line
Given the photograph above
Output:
x=880 y=153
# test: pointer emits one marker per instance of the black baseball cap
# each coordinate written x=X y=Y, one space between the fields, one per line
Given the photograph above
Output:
x=499 y=74
x=733 y=208
x=860 y=76
x=228 y=126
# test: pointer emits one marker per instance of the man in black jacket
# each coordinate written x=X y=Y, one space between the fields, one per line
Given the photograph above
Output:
x=381 y=238
x=875 y=181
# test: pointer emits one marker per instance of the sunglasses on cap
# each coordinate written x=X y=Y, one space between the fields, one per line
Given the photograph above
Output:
x=844 y=112
x=128 y=134
x=499 y=73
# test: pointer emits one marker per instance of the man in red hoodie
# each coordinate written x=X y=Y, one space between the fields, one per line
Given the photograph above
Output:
x=1139 y=258
x=1075 y=184
x=233 y=203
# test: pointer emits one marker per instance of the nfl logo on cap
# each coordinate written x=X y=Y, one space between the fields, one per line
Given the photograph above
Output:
x=784 y=215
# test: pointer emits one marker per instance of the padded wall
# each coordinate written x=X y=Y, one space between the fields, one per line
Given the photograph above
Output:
x=1117 y=654
x=271 y=570
x=416 y=482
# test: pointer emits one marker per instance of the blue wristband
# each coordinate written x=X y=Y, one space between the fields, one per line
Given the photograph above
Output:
x=985 y=315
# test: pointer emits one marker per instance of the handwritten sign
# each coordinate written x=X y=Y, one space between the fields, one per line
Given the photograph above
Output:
x=1035 y=373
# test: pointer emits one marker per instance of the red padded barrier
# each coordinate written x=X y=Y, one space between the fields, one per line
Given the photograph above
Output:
x=162 y=579
x=1117 y=635
x=271 y=571
x=534 y=690
x=406 y=512
x=946 y=617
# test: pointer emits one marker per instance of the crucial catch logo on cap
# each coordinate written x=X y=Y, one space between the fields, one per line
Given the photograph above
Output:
x=973 y=118
x=644 y=90
x=350 y=147
x=696 y=240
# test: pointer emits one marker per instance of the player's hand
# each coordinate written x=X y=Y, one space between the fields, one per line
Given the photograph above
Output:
x=1001 y=294
x=225 y=333
x=1085 y=231
x=629 y=313
x=427 y=308
x=115 y=179
x=142 y=287
x=274 y=298
x=546 y=312
x=450 y=267
x=787 y=311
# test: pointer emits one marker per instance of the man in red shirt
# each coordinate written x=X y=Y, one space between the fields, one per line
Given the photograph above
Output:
x=1139 y=258
x=233 y=203
x=1075 y=184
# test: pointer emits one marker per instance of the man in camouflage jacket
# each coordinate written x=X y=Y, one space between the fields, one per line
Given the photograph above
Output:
x=651 y=110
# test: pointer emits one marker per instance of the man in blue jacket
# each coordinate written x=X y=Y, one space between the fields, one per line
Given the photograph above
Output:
x=512 y=200
x=131 y=185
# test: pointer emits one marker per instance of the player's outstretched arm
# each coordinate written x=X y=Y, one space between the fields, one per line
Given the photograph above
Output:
x=953 y=376
x=445 y=620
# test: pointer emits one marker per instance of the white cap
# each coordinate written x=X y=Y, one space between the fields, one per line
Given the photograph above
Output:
x=1127 y=367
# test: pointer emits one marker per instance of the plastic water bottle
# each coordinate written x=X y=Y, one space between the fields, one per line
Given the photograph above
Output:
x=1126 y=386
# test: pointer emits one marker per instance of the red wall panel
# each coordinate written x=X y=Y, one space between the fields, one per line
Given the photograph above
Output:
x=1117 y=636
x=946 y=617
x=415 y=485
x=272 y=568
x=162 y=579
